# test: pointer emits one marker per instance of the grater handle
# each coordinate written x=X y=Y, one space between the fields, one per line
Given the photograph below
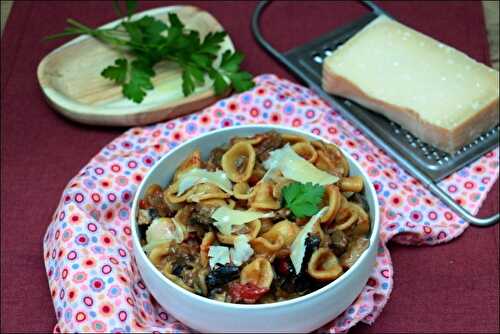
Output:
x=426 y=181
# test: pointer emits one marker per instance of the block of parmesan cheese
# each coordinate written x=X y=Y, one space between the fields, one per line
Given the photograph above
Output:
x=439 y=94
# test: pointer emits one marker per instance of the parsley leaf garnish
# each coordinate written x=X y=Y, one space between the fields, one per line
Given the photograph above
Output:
x=303 y=199
x=149 y=41
x=117 y=73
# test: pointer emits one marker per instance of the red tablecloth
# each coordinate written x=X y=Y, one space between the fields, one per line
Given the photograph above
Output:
x=453 y=287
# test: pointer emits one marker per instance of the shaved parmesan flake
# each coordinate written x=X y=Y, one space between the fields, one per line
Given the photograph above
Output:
x=218 y=254
x=271 y=174
x=298 y=248
x=225 y=218
x=153 y=244
x=163 y=230
x=296 y=168
x=242 y=250
x=196 y=176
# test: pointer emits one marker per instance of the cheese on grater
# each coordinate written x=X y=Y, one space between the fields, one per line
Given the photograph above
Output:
x=434 y=91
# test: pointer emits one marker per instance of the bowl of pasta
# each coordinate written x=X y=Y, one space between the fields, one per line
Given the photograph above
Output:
x=255 y=228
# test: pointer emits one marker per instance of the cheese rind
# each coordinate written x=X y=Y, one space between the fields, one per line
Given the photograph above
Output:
x=436 y=92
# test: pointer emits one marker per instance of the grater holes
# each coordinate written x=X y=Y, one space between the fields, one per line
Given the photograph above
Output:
x=317 y=58
x=327 y=51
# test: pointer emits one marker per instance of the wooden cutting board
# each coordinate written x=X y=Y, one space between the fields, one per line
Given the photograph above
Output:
x=70 y=79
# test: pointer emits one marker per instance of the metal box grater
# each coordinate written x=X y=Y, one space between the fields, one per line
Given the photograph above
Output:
x=425 y=162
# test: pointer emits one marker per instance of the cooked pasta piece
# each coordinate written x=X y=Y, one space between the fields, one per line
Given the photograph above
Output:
x=262 y=197
x=258 y=272
x=351 y=184
x=362 y=226
x=238 y=161
x=333 y=201
x=170 y=194
x=306 y=151
x=324 y=265
x=159 y=254
x=206 y=242
x=268 y=246
x=292 y=139
x=347 y=216
x=331 y=159
x=242 y=191
x=286 y=229
x=250 y=230
x=192 y=161
x=205 y=191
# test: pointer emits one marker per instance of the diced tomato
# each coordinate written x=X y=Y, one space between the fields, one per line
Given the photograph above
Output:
x=248 y=293
x=143 y=204
x=284 y=266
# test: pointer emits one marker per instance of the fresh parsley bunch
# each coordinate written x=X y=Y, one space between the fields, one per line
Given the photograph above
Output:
x=303 y=199
x=149 y=41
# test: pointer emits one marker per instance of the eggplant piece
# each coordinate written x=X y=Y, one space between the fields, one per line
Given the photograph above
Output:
x=221 y=275
x=302 y=281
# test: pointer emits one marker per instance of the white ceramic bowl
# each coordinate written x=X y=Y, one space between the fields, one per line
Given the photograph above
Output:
x=301 y=314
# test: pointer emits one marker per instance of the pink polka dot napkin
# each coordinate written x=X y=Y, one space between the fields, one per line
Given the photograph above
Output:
x=93 y=279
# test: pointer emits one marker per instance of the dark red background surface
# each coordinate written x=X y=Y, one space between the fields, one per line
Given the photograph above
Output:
x=450 y=288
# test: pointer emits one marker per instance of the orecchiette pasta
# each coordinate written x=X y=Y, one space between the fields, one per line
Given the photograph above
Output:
x=333 y=200
x=192 y=161
x=250 y=230
x=292 y=139
x=306 y=151
x=286 y=229
x=258 y=272
x=159 y=253
x=234 y=228
x=206 y=242
x=262 y=197
x=242 y=191
x=268 y=246
x=205 y=191
x=238 y=161
x=352 y=184
x=324 y=265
